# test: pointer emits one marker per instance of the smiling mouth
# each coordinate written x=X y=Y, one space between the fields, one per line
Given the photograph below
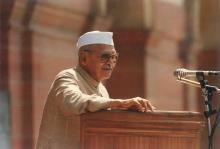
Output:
x=107 y=68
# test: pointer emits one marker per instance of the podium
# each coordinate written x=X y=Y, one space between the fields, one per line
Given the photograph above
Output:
x=135 y=130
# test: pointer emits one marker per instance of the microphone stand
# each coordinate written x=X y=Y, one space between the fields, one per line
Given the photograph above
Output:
x=207 y=93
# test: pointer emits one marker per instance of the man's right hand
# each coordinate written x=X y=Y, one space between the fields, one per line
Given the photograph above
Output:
x=137 y=103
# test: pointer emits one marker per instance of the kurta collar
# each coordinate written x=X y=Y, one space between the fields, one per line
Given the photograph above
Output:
x=87 y=77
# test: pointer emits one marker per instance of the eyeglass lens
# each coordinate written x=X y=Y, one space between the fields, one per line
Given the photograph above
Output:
x=106 y=57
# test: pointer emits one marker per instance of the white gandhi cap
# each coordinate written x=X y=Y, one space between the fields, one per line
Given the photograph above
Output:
x=95 y=37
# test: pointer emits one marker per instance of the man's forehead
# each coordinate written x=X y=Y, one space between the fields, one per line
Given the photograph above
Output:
x=101 y=47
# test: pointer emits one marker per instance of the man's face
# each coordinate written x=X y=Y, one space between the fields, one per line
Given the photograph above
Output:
x=99 y=61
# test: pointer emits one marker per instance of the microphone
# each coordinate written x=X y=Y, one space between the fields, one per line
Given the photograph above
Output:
x=183 y=73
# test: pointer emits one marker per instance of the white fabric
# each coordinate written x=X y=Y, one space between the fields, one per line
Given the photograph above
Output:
x=95 y=37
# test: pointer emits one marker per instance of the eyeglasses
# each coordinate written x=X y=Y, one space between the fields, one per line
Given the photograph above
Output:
x=106 y=56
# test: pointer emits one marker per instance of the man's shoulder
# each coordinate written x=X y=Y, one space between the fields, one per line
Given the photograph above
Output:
x=66 y=73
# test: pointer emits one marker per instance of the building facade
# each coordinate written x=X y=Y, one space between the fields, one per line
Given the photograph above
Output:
x=153 y=38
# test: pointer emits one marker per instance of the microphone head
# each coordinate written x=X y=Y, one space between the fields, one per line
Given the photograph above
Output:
x=179 y=73
x=183 y=73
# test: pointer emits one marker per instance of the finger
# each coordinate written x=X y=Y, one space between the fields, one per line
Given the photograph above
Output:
x=138 y=104
x=150 y=106
x=144 y=105
x=154 y=108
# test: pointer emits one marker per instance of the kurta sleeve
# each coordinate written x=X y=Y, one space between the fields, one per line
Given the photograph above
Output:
x=70 y=99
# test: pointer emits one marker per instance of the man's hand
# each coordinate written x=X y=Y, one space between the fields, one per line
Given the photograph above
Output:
x=137 y=103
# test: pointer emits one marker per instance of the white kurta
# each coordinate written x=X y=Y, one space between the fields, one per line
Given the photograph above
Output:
x=72 y=93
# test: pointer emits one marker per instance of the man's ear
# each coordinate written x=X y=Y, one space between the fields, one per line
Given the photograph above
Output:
x=83 y=58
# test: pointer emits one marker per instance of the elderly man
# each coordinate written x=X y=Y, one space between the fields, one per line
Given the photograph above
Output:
x=79 y=90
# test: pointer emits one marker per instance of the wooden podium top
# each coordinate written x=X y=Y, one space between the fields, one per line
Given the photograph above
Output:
x=133 y=116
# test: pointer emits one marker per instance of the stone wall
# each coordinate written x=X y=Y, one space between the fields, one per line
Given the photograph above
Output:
x=38 y=40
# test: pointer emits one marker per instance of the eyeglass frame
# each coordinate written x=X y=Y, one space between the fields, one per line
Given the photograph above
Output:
x=105 y=59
